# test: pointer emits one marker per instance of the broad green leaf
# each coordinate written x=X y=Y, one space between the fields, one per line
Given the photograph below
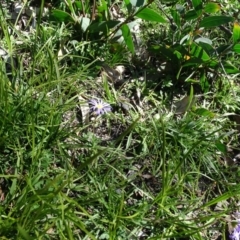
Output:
x=212 y=63
x=137 y=3
x=236 y=48
x=204 y=112
x=150 y=15
x=103 y=7
x=190 y=15
x=61 y=16
x=193 y=62
x=178 y=54
x=214 y=21
x=207 y=47
x=78 y=5
x=222 y=49
x=230 y=68
x=103 y=26
x=236 y=32
x=221 y=147
x=197 y=61
x=199 y=52
x=176 y=17
x=212 y=7
x=127 y=37
x=197 y=4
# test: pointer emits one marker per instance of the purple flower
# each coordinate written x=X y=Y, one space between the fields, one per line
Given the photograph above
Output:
x=235 y=235
x=98 y=107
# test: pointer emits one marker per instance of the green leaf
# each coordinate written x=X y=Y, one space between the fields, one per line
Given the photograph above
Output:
x=221 y=147
x=204 y=112
x=176 y=17
x=236 y=48
x=214 y=21
x=207 y=47
x=212 y=63
x=212 y=7
x=197 y=61
x=193 y=62
x=150 y=15
x=79 y=5
x=60 y=16
x=236 y=32
x=230 y=68
x=223 y=49
x=199 y=52
x=178 y=54
x=190 y=80
x=103 y=26
x=23 y=233
x=197 y=4
x=102 y=7
x=190 y=15
x=127 y=37
x=127 y=2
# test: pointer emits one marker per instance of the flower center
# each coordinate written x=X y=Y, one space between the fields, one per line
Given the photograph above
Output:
x=99 y=106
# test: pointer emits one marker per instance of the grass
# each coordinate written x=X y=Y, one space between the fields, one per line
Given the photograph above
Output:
x=136 y=173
